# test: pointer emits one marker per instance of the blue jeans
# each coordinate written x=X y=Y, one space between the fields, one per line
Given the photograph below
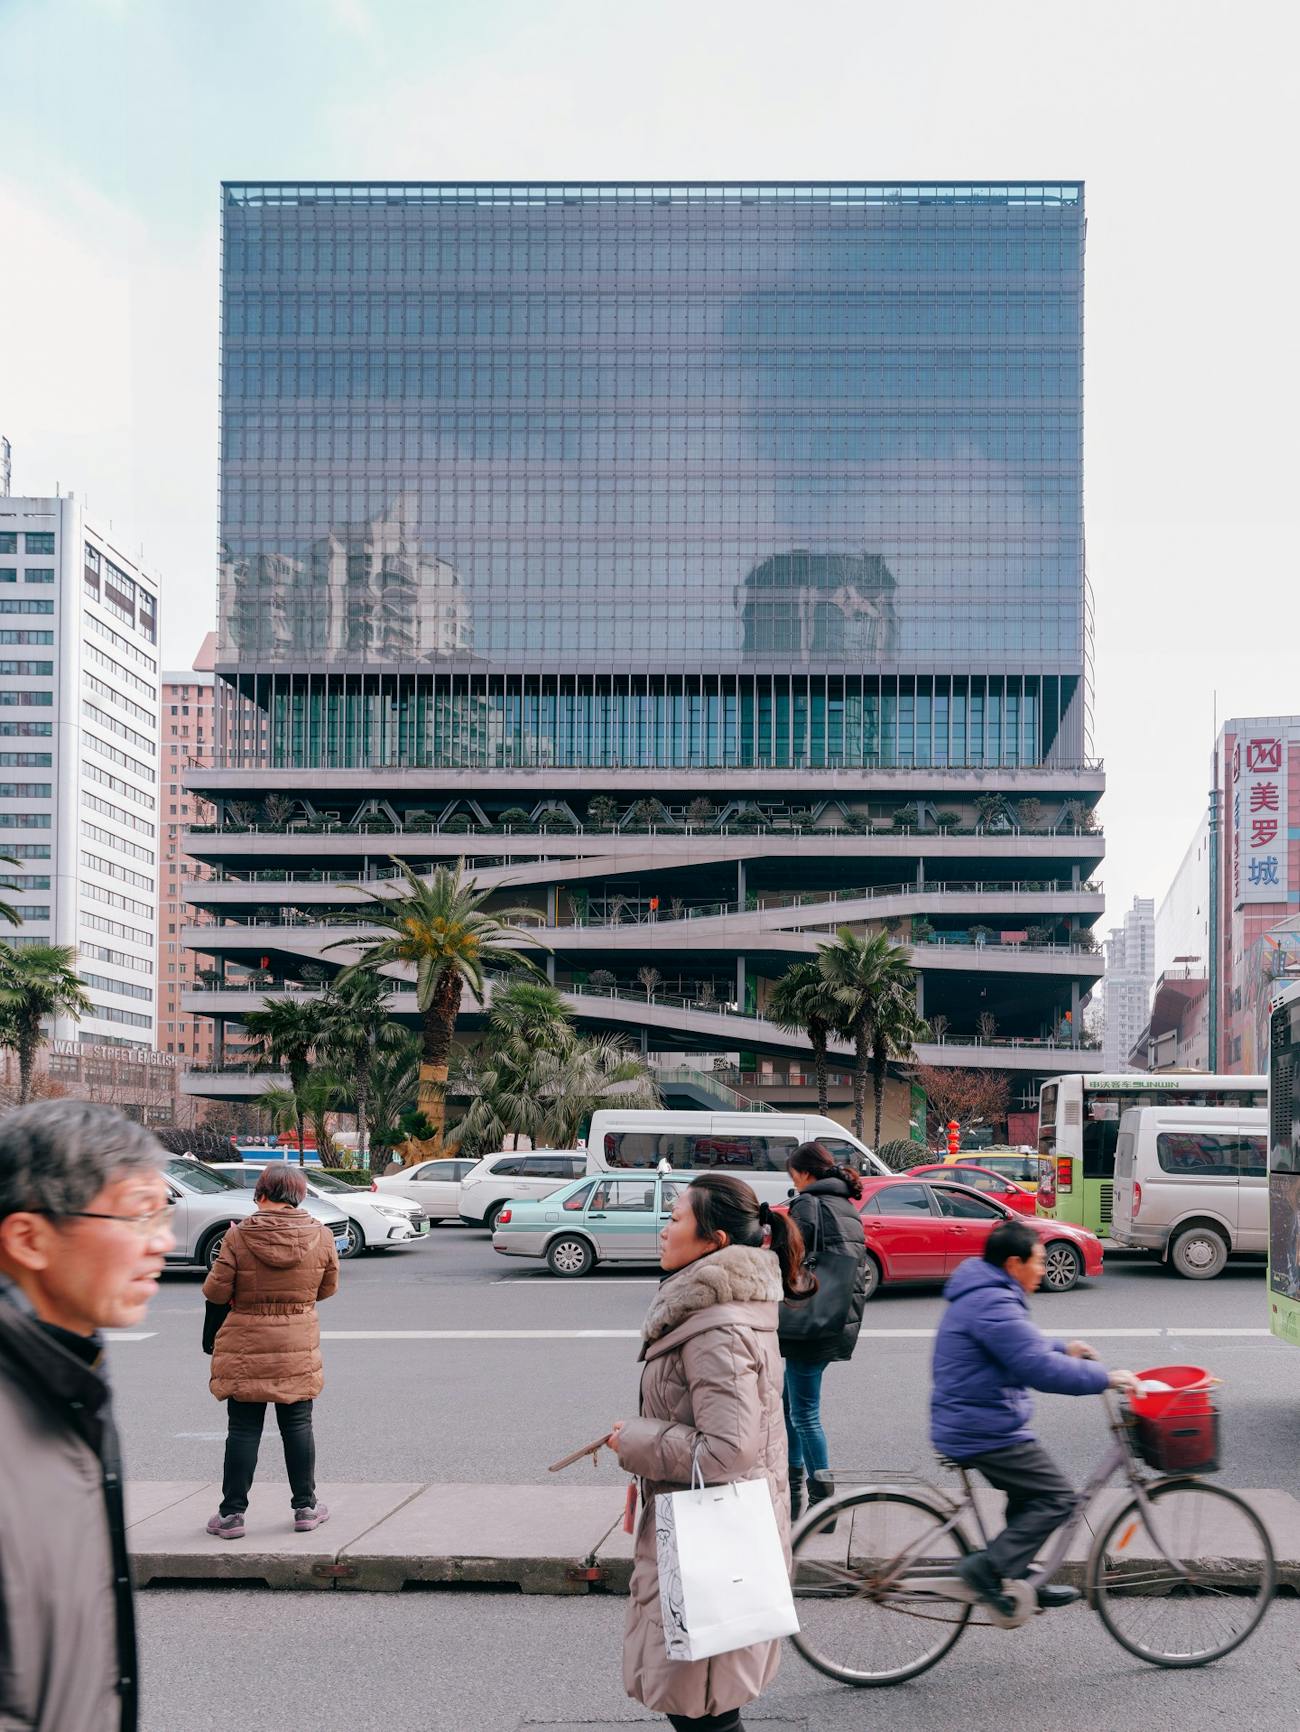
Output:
x=802 y=1399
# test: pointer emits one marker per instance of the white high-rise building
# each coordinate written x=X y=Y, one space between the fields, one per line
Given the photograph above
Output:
x=79 y=788
x=1130 y=974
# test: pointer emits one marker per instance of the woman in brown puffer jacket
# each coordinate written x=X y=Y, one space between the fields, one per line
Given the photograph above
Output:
x=712 y=1384
x=264 y=1337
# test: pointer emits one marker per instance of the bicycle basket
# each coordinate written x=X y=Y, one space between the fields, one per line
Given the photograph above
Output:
x=1177 y=1429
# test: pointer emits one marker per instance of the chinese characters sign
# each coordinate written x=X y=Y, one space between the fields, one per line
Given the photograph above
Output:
x=1259 y=819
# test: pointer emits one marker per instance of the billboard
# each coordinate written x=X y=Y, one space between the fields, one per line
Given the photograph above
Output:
x=1259 y=825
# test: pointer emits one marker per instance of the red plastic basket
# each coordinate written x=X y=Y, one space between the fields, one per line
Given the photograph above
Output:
x=1177 y=1429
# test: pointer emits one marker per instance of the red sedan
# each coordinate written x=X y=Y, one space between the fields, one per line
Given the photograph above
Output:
x=917 y=1230
x=984 y=1180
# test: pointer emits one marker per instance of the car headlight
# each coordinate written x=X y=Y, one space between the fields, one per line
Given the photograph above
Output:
x=393 y=1214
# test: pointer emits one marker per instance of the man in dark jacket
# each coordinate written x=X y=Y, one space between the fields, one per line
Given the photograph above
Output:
x=83 y=1235
x=987 y=1357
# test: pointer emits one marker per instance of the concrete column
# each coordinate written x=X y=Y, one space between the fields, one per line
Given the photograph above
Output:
x=550 y=969
x=552 y=900
x=1075 y=1030
x=740 y=982
x=920 y=875
x=740 y=887
x=920 y=995
x=1074 y=876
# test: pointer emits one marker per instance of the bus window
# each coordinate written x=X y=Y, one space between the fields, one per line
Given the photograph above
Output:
x=699 y=1151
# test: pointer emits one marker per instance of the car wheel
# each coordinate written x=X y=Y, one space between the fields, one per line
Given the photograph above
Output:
x=212 y=1250
x=356 y=1240
x=570 y=1256
x=1199 y=1253
x=490 y=1219
x=872 y=1284
x=1064 y=1267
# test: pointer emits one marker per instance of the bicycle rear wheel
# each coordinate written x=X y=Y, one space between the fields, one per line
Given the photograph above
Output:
x=1193 y=1585
x=865 y=1615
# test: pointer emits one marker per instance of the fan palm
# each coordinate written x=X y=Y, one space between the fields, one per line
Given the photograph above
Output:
x=528 y=1025
x=286 y=1033
x=7 y=910
x=439 y=927
x=394 y=1083
x=321 y=1094
x=357 y=1028
x=895 y=1028
x=864 y=974
x=802 y=1002
x=37 y=981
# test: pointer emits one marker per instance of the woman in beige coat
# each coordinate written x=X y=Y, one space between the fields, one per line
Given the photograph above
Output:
x=264 y=1337
x=712 y=1385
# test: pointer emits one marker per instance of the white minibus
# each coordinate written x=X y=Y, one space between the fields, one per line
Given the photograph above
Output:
x=1192 y=1184
x=753 y=1146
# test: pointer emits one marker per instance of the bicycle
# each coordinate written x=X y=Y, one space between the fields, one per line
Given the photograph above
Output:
x=874 y=1567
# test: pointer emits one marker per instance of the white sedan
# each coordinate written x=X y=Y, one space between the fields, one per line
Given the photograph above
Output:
x=433 y=1185
x=374 y=1222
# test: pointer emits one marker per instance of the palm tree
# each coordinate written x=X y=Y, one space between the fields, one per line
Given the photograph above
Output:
x=864 y=974
x=394 y=1083
x=801 y=1002
x=895 y=1027
x=599 y=1072
x=36 y=982
x=286 y=1033
x=321 y=1093
x=528 y=1025
x=357 y=1029
x=440 y=927
x=7 y=911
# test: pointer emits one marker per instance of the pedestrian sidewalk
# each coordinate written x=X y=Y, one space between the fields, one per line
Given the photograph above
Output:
x=541 y=1539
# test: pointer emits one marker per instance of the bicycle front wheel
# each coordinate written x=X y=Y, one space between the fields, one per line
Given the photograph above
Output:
x=866 y=1615
x=1191 y=1583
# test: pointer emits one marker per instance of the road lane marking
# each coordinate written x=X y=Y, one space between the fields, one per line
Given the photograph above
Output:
x=480 y=1334
x=549 y=1284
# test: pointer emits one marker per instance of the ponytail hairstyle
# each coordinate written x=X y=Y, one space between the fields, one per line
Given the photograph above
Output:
x=819 y=1163
x=722 y=1203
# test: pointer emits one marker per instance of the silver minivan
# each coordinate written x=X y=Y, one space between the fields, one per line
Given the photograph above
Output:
x=1192 y=1184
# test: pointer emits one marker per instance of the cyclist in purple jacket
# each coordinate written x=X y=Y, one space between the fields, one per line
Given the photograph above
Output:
x=987 y=1357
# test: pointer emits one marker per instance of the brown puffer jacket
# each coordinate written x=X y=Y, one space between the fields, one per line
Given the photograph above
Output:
x=273 y=1268
x=712 y=1381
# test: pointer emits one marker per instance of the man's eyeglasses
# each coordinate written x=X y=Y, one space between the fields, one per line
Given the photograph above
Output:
x=144 y=1225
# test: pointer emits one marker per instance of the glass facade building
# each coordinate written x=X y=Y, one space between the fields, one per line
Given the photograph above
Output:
x=636 y=475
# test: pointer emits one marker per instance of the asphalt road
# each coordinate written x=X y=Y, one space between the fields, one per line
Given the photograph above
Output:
x=235 y=1661
x=461 y=1364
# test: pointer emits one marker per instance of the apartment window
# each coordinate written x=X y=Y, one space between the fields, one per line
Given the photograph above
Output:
x=8 y=574
x=8 y=541
x=26 y=604
x=38 y=541
x=27 y=669
x=33 y=728
x=42 y=700
x=24 y=790
x=26 y=760
x=24 y=821
x=10 y=635
x=39 y=574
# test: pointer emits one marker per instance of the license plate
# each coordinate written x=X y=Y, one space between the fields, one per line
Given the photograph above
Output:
x=341 y=1244
x=420 y=1227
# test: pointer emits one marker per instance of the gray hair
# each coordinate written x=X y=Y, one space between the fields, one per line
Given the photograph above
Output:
x=281 y=1183
x=56 y=1156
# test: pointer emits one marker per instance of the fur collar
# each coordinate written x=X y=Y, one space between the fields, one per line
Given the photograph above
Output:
x=735 y=1275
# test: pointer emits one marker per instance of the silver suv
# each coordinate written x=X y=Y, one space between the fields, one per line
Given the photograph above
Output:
x=205 y=1203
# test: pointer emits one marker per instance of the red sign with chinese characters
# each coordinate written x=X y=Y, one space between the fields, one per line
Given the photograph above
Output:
x=1259 y=837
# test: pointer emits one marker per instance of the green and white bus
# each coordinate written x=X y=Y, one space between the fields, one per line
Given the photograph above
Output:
x=1078 y=1127
x=1284 y=1164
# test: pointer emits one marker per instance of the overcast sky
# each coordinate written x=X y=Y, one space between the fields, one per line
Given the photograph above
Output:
x=121 y=117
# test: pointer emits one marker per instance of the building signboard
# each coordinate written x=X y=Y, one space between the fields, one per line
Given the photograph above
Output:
x=1259 y=835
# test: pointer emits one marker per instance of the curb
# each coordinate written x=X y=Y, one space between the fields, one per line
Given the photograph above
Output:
x=535 y=1539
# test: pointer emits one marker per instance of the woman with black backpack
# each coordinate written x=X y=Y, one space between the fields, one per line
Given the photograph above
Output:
x=824 y=1327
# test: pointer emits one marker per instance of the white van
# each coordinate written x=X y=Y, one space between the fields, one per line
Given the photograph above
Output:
x=1192 y=1183
x=753 y=1146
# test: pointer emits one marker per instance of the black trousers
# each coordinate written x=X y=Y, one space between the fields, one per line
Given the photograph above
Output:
x=1039 y=1498
x=707 y=1722
x=243 y=1436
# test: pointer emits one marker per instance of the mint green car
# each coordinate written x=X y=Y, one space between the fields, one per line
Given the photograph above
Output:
x=604 y=1218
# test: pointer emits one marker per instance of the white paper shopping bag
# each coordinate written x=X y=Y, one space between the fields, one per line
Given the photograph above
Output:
x=723 y=1581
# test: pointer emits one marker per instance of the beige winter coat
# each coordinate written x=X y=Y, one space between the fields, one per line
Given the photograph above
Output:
x=712 y=1380
x=272 y=1269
